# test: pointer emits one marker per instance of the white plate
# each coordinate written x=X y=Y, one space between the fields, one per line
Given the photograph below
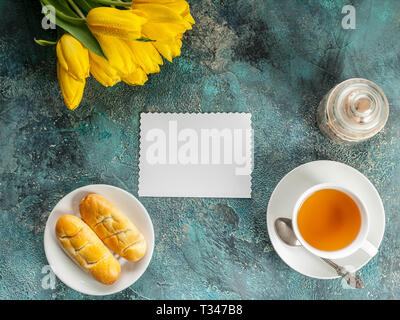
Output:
x=68 y=271
x=289 y=189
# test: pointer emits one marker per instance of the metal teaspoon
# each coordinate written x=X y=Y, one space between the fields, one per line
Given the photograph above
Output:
x=283 y=227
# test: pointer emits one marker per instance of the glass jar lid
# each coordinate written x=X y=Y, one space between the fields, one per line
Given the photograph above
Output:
x=357 y=109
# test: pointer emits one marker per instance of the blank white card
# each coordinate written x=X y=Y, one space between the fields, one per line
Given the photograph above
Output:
x=195 y=155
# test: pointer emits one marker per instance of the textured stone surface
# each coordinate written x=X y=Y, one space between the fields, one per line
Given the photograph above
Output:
x=274 y=59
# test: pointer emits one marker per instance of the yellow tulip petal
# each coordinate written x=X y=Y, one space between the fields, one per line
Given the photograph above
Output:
x=148 y=48
x=164 y=49
x=124 y=24
x=188 y=25
x=153 y=53
x=188 y=17
x=118 y=53
x=163 y=31
x=163 y=2
x=183 y=9
x=145 y=56
x=71 y=89
x=138 y=77
x=73 y=56
x=102 y=71
x=180 y=7
x=169 y=50
x=158 y=13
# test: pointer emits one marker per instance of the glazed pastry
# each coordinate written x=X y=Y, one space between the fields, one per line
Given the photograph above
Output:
x=84 y=247
x=113 y=227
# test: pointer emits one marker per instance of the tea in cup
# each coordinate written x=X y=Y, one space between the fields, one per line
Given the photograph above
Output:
x=332 y=222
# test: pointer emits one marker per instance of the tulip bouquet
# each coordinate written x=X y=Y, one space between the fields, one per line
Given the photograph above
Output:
x=114 y=40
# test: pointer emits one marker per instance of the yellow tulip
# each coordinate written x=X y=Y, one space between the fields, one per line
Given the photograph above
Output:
x=129 y=60
x=73 y=57
x=183 y=9
x=102 y=71
x=124 y=24
x=118 y=53
x=166 y=32
x=156 y=13
x=163 y=23
x=180 y=7
x=138 y=77
x=145 y=55
x=167 y=21
x=71 y=89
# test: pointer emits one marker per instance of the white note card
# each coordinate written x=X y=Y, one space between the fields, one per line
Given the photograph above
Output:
x=195 y=155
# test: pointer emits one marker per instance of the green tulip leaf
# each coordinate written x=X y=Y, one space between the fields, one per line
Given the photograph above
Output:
x=87 y=5
x=144 y=39
x=68 y=20
x=44 y=43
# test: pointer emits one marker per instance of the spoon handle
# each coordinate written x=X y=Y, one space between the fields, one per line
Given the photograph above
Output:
x=352 y=279
x=339 y=270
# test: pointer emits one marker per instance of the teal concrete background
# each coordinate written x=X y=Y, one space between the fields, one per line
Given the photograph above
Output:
x=275 y=59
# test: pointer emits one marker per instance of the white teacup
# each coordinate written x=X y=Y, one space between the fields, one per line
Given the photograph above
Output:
x=360 y=241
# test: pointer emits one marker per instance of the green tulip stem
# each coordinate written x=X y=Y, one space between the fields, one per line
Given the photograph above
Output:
x=62 y=15
x=77 y=10
x=115 y=3
x=45 y=43
x=68 y=18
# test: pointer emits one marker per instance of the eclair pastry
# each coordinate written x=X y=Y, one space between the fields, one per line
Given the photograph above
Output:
x=86 y=249
x=113 y=227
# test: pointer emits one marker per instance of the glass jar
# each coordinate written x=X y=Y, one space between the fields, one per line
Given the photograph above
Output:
x=353 y=111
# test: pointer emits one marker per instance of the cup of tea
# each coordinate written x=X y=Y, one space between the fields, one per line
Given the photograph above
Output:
x=332 y=222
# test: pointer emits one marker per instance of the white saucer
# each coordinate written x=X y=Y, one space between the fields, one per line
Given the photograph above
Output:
x=290 y=188
x=69 y=272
